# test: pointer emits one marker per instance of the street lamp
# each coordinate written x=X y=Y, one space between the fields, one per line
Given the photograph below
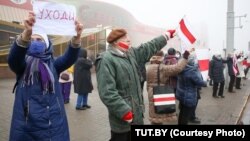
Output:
x=239 y=17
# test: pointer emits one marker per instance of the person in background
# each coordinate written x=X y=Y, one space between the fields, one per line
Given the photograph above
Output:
x=118 y=80
x=82 y=80
x=66 y=83
x=171 y=59
x=152 y=80
x=240 y=69
x=187 y=83
x=246 y=66
x=38 y=112
x=231 y=72
x=217 y=75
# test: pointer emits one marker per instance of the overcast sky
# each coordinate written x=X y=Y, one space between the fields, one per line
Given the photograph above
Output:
x=208 y=18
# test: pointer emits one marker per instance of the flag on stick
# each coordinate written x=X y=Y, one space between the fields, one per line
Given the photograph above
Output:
x=185 y=32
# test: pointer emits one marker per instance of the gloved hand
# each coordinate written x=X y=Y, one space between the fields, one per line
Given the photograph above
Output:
x=186 y=54
x=170 y=33
x=128 y=117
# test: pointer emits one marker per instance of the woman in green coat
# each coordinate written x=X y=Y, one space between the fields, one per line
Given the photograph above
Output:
x=119 y=77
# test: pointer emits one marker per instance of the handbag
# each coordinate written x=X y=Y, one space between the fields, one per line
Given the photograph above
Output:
x=65 y=76
x=163 y=97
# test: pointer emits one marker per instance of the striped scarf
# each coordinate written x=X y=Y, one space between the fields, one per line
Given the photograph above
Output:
x=37 y=68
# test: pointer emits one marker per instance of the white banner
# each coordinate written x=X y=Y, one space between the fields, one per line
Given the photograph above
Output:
x=54 y=18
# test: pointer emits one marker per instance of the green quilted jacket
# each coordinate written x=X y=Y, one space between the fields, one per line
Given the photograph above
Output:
x=118 y=79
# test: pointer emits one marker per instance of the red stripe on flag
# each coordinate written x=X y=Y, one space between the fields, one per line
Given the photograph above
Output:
x=164 y=99
x=203 y=65
x=186 y=32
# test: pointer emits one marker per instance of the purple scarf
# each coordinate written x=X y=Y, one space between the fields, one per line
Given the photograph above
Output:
x=37 y=67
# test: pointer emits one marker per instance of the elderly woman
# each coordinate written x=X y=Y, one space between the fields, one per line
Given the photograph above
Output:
x=189 y=80
x=165 y=72
x=119 y=79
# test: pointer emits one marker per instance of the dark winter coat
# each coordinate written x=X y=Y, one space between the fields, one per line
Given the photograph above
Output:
x=82 y=75
x=230 y=66
x=216 y=70
x=189 y=80
x=37 y=116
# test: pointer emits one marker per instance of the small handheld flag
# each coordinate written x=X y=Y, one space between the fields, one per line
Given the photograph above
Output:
x=185 y=32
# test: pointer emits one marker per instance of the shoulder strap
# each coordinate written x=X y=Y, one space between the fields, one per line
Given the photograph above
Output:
x=158 y=75
x=14 y=87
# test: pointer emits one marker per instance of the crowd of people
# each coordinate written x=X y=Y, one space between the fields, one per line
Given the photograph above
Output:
x=44 y=82
x=237 y=66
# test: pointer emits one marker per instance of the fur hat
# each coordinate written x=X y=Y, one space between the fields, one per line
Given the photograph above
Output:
x=115 y=34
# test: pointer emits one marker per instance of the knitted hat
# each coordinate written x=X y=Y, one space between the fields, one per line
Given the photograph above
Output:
x=171 y=51
x=192 y=59
x=83 y=53
x=115 y=34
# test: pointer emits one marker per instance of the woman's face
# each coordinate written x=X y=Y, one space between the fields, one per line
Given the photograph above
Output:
x=123 y=43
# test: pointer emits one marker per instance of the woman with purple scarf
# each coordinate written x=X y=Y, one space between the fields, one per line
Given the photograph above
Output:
x=38 y=112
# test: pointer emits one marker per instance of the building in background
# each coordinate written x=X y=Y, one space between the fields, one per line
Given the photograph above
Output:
x=98 y=18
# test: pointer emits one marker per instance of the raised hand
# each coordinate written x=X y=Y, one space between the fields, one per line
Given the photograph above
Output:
x=28 y=24
x=170 y=33
x=79 y=29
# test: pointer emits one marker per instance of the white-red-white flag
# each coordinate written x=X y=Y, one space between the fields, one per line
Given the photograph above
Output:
x=185 y=32
x=164 y=99
x=203 y=60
